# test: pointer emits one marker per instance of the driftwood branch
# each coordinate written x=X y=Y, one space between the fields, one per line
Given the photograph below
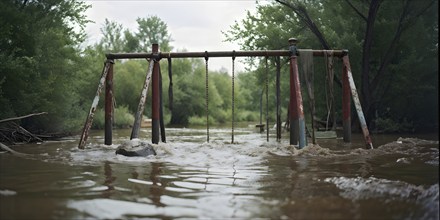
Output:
x=11 y=132
x=21 y=117
x=6 y=148
x=23 y=155
x=356 y=10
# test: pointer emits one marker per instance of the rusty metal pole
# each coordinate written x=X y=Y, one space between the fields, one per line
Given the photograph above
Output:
x=161 y=119
x=155 y=107
x=296 y=106
x=140 y=110
x=255 y=53
x=357 y=103
x=278 y=92
x=346 y=108
x=293 y=113
x=108 y=124
x=89 y=120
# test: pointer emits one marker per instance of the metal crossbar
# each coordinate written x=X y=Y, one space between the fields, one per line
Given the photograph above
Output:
x=257 y=53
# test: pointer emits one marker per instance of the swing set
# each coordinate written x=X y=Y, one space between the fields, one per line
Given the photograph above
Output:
x=296 y=113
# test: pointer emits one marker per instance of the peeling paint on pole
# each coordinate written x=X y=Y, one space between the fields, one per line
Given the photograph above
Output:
x=141 y=106
x=357 y=104
x=297 y=111
x=89 y=120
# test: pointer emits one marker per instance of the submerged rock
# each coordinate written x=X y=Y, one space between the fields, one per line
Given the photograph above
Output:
x=136 y=148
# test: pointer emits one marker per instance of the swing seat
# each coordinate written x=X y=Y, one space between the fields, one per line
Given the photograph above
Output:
x=146 y=123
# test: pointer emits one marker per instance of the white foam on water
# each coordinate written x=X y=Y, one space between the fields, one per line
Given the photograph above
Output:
x=7 y=192
x=249 y=150
x=71 y=184
x=220 y=153
x=359 y=188
x=118 y=209
x=366 y=188
x=143 y=182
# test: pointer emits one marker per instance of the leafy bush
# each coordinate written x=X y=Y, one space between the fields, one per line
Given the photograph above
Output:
x=247 y=116
x=98 y=119
x=388 y=125
x=123 y=118
x=196 y=120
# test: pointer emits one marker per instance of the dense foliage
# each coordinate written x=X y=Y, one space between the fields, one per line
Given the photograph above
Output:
x=393 y=50
x=41 y=61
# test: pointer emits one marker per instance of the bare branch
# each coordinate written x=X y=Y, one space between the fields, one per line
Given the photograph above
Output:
x=21 y=117
x=356 y=10
x=401 y=27
x=405 y=21
x=303 y=15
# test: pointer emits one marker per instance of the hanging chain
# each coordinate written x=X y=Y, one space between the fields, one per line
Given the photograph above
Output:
x=267 y=101
x=233 y=93
x=206 y=96
x=328 y=85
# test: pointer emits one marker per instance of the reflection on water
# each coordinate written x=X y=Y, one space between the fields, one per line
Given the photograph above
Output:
x=192 y=179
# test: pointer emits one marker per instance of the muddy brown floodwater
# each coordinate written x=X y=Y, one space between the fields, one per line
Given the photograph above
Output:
x=248 y=179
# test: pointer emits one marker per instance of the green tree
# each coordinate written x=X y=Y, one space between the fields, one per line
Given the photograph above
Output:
x=153 y=30
x=150 y=30
x=379 y=35
x=40 y=56
x=112 y=37
x=188 y=90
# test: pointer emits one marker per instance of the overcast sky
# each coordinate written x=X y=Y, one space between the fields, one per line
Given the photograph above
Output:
x=193 y=25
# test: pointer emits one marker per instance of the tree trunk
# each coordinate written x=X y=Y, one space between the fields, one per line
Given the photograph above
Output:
x=366 y=52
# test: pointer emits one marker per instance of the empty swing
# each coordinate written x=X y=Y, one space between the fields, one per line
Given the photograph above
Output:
x=206 y=96
x=329 y=94
x=266 y=90
x=267 y=98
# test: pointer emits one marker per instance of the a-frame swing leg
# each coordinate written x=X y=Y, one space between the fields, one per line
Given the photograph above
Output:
x=357 y=103
x=85 y=133
x=141 y=106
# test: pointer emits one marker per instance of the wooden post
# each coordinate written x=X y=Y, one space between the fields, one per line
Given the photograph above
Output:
x=296 y=106
x=89 y=120
x=155 y=107
x=108 y=124
x=140 y=110
x=346 y=108
x=357 y=103
x=278 y=91
x=161 y=119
